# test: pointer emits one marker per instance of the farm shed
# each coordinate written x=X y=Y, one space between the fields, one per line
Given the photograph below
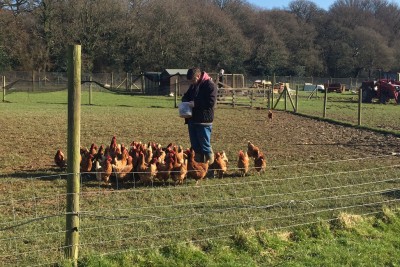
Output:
x=151 y=82
x=168 y=79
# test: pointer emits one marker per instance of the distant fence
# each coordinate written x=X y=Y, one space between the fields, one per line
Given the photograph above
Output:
x=247 y=97
x=138 y=83
x=293 y=81
x=53 y=81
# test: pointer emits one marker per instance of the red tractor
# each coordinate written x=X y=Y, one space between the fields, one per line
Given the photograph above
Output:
x=383 y=89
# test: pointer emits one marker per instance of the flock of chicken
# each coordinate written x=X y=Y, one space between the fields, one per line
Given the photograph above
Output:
x=150 y=162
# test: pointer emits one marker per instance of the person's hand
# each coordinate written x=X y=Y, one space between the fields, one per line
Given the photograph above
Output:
x=191 y=104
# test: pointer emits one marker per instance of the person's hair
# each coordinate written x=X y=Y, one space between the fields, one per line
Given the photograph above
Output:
x=192 y=72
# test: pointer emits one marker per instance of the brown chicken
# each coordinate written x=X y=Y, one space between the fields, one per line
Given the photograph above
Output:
x=121 y=158
x=219 y=165
x=196 y=170
x=179 y=153
x=82 y=152
x=243 y=163
x=122 y=172
x=59 y=159
x=100 y=154
x=113 y=147
x=179 y=170
x=252 y=150
x=93 y=149
x=270 y=115
x=160 y=154
x=148 y=154
x=260 y=163
x=146 y=172
x=224 y=157
x=164 y=168
x=104 y=170
x=86 y=162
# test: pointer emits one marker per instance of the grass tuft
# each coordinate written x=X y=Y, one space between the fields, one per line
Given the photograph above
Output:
x=348 y=221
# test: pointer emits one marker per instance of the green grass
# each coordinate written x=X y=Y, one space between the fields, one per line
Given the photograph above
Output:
x=344 y=108
x=340 y=107
x=349 y=241
x=316 y=171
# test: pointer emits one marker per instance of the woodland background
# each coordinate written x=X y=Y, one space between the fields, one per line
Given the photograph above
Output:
x=354 y=38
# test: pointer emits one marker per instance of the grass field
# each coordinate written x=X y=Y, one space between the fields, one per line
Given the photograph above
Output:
x=317 y=171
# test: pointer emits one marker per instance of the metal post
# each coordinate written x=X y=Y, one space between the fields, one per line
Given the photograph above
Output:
x=142 y=82
x=297 y=99
x=74 y=117
x=359 y=106
x=127 y=81
x=286 y=92
x=4 y=88
x=325 y=100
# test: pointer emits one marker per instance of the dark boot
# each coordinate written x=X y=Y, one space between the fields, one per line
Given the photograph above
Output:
x=210 y=158
x=199 y=157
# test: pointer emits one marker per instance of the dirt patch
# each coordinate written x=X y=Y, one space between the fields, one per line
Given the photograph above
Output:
x=31 y=138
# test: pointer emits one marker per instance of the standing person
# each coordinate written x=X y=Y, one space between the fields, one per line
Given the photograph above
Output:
x=202 y=95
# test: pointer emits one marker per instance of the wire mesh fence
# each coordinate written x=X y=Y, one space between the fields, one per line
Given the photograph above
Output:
x=32 y=82
x=132 y=216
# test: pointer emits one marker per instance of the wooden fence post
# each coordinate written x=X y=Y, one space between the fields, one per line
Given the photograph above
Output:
x=272 y=91
x=233 y=98
x=73 y=158
x=90 y=89
x=176 y=93
x=127 y=81
x=359 y=106
x=4 y=88
x=297 y=99
x=325 y=100
x=251 y=98
x=286 y=93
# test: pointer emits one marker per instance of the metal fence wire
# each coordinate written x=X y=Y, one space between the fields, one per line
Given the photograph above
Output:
x=133 y=217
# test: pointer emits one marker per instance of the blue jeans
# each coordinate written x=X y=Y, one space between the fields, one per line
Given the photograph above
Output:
x=200 y=138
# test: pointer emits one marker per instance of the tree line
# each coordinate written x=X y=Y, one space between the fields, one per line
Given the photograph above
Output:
x=351 y=39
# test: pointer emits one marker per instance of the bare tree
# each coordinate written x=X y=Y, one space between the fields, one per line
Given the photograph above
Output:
x=19 y=6
x=305 y=10
x=370 y=51
x=136 y=35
